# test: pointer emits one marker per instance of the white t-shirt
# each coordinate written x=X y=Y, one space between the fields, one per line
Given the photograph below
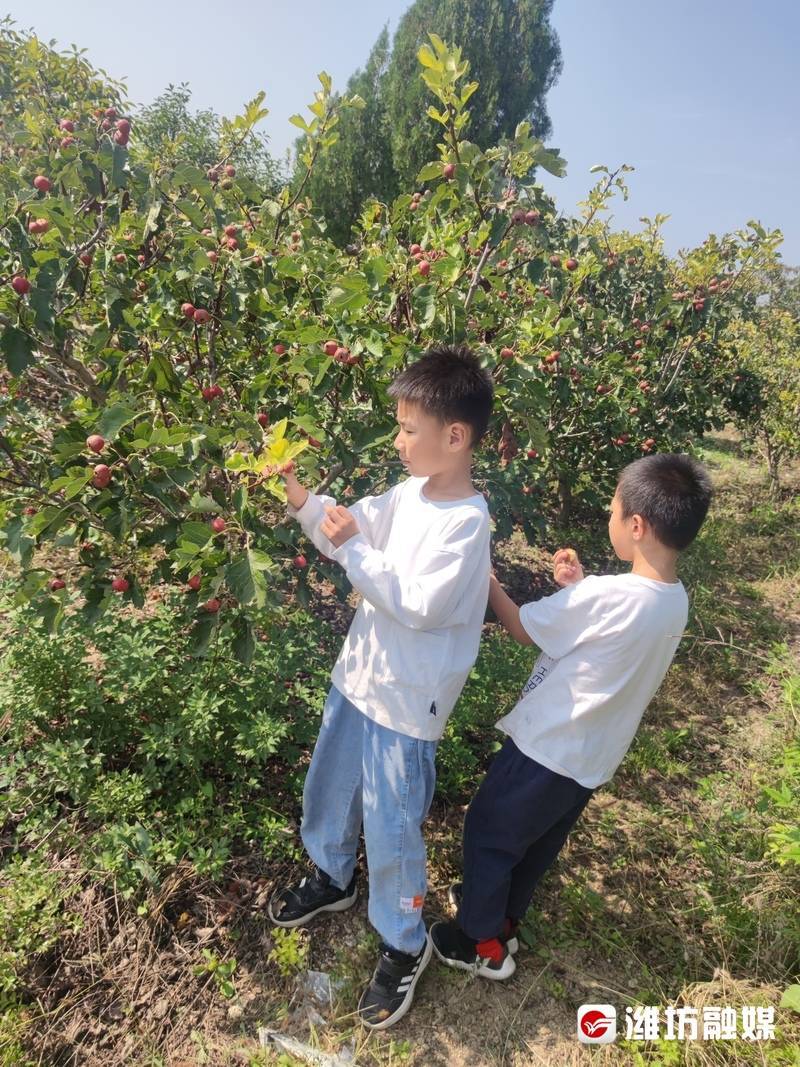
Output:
x=606 y=643
x=422 y=568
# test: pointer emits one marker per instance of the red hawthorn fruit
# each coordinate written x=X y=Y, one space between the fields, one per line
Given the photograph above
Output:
x=102 y=476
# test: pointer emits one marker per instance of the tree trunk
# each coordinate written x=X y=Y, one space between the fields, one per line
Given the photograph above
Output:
x=564 y=499
x=773 y=460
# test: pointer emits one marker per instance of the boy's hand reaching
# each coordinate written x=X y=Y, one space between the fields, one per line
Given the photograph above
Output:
x=295 y=493
x=339 y=526
x=567 y=567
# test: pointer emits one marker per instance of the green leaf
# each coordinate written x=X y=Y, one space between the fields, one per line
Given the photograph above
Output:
x=427 y=58
x=791 y=998
x=119 y=160
x=113 y=419
x=151 y=222
x=77 y=485
x=552 y=162
x=201 y=635
x=17 y=348
x=430 y=170
x=192 y=213
x=341 y=298
x=288 y=267
x=203 y=503
x=377 y=271
x=423 y=301
x=162 y=374
x=245 y=577
x=197 y=533
x=244 y=644
x=17 y=543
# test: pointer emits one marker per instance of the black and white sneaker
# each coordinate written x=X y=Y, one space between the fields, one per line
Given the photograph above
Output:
x=489 y=959
x=298 y=904
x=510 y=933
x=389 y=994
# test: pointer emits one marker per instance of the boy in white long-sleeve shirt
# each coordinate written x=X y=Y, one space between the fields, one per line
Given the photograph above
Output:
x=419 y=556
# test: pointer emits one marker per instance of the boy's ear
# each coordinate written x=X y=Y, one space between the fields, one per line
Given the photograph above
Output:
x=459 y=434
x=639 y=527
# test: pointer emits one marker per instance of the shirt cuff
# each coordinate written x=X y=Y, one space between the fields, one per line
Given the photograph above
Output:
x=305 y=510
x=353 y=548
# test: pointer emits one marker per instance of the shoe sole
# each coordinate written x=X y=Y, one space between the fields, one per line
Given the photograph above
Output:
x=500 y=975
x=512 y=944
x=398 y=1014
x=303 y=920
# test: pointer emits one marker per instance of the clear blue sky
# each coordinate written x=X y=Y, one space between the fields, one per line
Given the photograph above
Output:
x=701 y=96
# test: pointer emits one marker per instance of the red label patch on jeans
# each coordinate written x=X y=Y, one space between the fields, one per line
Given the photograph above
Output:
x=411 y=903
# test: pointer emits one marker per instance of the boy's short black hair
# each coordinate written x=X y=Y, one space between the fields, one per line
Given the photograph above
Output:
x=672 y=492
x=449 y=382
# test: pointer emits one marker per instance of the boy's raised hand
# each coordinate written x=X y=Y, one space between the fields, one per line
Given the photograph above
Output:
x=567 y=567
x=295 y=493
x=339 y=525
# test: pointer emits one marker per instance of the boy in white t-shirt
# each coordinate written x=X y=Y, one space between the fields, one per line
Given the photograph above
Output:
x=606 y=643
x=419 y=555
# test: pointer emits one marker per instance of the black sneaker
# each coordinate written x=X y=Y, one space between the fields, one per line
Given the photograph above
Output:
x=510 y=933
x=298 y=904
x=489 y=959
x=389 y=994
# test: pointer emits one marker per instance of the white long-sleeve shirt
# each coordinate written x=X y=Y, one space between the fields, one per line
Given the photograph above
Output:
x=422 y=568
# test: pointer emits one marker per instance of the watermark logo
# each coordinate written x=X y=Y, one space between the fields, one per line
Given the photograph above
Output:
x=597 y=1024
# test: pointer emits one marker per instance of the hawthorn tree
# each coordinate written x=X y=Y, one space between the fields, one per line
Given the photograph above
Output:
x=173 y=334
x=168 y=129
x=764 y=389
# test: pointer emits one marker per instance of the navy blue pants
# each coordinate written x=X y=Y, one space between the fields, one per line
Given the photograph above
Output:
x=513 y=830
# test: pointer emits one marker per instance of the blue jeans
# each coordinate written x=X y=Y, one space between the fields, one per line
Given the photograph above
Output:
x=362 y=772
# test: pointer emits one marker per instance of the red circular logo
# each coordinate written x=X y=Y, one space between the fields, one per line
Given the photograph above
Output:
x=594 y=1023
